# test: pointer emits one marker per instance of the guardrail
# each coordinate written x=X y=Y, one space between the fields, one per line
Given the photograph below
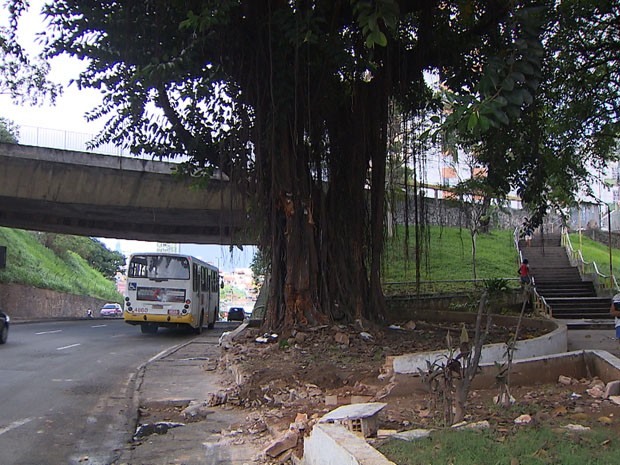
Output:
x=66 y=140
x=604 y=284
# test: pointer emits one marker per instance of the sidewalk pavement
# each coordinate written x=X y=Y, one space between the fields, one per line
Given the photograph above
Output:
x=168 y=383
x=187 y=373
x=595 y=339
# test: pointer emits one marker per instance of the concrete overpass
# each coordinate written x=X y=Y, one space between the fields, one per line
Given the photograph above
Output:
x=87 y=194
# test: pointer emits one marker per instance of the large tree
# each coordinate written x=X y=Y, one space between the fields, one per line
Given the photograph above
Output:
x=564 y=123
x=290 y=99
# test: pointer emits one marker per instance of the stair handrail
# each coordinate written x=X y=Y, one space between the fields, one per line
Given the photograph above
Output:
x=605 y=284
x=515 y=236
x=541 y=306
x=539 y=303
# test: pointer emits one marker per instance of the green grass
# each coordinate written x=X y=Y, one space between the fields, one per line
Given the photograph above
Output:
x=527 y=446
x=597 y=252
x=32 y=264
x=449 y=257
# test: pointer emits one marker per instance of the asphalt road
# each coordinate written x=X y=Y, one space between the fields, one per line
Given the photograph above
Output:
x=65 y=389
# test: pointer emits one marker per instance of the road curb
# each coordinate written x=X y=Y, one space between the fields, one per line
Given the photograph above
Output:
x=133 y=398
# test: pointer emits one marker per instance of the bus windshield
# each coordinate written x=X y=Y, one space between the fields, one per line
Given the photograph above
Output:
x=158 y=267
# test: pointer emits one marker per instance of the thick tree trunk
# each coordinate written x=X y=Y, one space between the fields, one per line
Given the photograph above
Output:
x=325 y=232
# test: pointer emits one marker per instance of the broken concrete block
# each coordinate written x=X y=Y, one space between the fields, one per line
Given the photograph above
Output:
x=612 y=389
x=596 y=392
x=360 y=399
x=412 y=435
x=565 y=380
x=615 y=399
x=342 y=338
x=196 y=410
x=282 y=444
x=331 y=400
x=357 y=418
x=576 y=428
x=523 y=419
x=217 y=398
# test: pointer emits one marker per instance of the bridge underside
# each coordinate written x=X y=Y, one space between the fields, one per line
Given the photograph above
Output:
x=156 y=225
x=104 y=196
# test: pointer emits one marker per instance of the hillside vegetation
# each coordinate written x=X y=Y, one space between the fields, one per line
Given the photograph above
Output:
x=61 y=263
x=447 y=255
x=84 y=266
x=597 y=252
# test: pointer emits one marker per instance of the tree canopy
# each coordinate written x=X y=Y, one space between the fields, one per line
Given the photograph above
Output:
x=22 y=78
x=292 y=100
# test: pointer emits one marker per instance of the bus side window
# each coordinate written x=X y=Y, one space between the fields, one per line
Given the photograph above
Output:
x=204 y=277
x=195 y=277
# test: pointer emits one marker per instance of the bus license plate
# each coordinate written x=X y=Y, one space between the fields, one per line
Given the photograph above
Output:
x=173 y=312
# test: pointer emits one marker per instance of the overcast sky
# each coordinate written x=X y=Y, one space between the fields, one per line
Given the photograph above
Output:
x=68 y=115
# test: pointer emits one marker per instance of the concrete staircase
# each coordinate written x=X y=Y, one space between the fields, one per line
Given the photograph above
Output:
x=572 y=299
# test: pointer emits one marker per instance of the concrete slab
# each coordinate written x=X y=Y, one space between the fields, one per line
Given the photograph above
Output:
x=352 y=411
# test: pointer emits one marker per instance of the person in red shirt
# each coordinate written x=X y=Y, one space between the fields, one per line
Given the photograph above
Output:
x=524 y=272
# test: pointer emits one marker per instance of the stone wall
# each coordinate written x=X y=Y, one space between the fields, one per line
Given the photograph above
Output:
x=26 y=303
x=602 y=237
x=441 y=212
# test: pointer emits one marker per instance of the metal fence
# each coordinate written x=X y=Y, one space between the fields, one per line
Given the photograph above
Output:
x=66 y=140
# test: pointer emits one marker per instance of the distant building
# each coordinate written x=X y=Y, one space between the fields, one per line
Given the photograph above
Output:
x=164 y=247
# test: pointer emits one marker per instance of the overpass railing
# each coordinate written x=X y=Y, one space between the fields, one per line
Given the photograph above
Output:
x=66 y=140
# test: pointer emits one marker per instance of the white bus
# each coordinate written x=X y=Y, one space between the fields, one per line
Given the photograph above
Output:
x=172 y=291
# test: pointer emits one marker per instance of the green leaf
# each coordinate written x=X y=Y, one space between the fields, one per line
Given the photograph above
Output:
x=485 y=123
x=501 y=101
x=472 y=122
x=380 y=39
x=508 y=84
x=501 y=117
x=527 y=97
x=515 y=97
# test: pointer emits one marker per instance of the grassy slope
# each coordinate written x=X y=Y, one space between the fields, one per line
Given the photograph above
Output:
x=597 y=252
x=29 y=262
x=450 y=256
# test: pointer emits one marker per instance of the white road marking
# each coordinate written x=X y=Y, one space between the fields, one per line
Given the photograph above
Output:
x=49 y=332
x=99 y=326
x=68 y=347
x=15 y=424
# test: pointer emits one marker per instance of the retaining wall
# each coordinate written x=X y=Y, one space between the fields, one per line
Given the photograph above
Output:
x=26 y=303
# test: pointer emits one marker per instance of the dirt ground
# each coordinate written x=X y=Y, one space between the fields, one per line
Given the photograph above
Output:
x=299 y=379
